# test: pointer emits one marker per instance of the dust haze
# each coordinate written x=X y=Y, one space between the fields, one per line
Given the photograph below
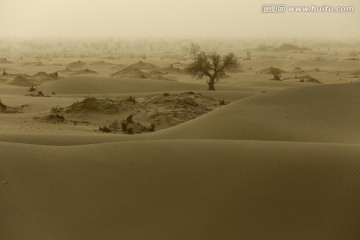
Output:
x=172 y=18
x=165 y=119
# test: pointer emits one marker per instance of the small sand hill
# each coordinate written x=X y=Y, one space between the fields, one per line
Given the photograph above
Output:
x=298 y=70
x=270 y=70
x=78 y=64
x=143 y=66
x=9 y=109
x=290 y=47
x=46 y=76
x=83 y=71
x=130 y=72
x=308 y=78
x=32 y=64
x=23 y=81
x=321 y=113
x=4 y=61
x=161 y=110
x=102 y=63
x=94 y=105
x=110 y=58
x=66 y=70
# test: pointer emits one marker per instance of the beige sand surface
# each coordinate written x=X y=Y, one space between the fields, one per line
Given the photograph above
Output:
x=191 y=189
x=273 y=160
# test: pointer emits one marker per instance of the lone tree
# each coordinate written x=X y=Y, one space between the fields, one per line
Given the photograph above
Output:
x=276 y=72
x=248 y=55
x=213 y=66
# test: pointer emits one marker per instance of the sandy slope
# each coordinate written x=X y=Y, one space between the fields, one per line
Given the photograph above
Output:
x=90 y=85
x=324 y=113
x=180 y=190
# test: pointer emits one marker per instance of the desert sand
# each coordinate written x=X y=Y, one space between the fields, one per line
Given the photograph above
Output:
x=256 y=159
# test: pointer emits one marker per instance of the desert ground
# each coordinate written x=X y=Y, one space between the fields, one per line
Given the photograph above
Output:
x=113 y=139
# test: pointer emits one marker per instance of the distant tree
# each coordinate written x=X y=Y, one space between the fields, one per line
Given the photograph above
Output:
x=248 y=55
x=276 y=72
x=213 y=66
x=194 y=50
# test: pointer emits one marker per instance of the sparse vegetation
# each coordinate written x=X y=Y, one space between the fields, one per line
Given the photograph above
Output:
x=152 y=112
x=308 y=78
x=8 y=109
x=248 y=55
x=276 y=72
x=213 y=66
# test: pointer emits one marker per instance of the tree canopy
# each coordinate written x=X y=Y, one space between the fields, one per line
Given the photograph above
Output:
x=213 y=66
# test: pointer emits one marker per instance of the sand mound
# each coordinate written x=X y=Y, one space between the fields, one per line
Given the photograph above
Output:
x=4 y=61
x=352 y=59
x=130 y=73
x=143 y=66
x=102 y=63
x=110 y=58
x=32 y=64
x=8 y=109
x=298 y=70
x=270 y=70
x=78 y=64
x=94 y=105
x=180 y=190
x=22 y=81
x=288 y=47
x=322 y=113
x=44 y=75
x=83 y=71
x=308 y=78
x=160 y=110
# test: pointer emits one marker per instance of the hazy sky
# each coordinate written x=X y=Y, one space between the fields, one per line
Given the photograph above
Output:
x=172 y=18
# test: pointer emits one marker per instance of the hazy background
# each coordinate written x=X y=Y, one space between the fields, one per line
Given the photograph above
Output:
x=171 y=18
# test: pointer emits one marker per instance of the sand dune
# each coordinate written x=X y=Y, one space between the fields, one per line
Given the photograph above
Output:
x=325 y=113
x=130 y=73
x=143 y=66
x=78 y=64
x=83 y=71
x=174 y=190
x=22 y=81
x=102 y=62
x=87 y=85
